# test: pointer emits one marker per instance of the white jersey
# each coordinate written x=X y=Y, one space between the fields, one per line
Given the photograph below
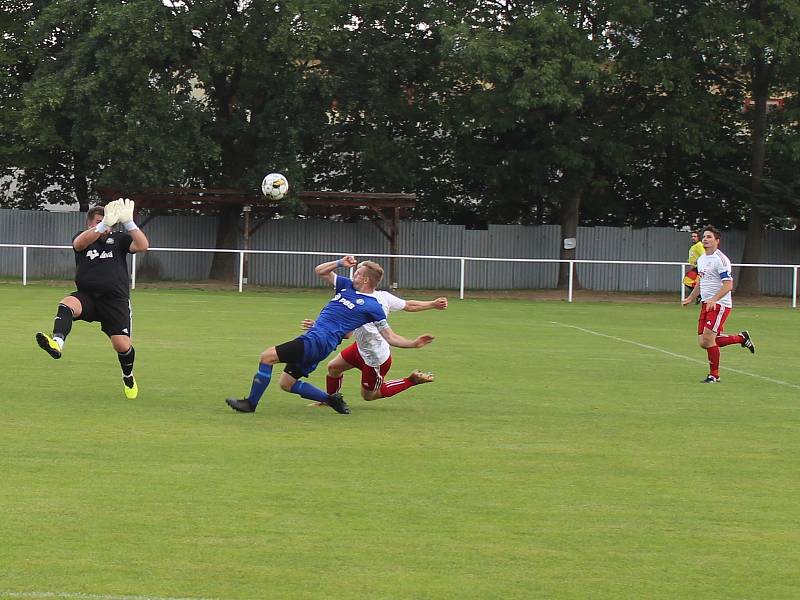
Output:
x=714 y=269
x=373 y=348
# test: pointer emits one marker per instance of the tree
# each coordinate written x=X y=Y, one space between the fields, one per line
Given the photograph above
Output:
x=772 y=35
x=706 y=73
x=537 y=87
x=103 y=104
x=257 y=68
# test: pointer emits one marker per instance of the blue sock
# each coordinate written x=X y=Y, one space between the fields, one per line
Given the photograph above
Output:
x=308 y=391
x=260 y=383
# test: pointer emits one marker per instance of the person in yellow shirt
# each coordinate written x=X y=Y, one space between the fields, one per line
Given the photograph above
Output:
x=696 y=250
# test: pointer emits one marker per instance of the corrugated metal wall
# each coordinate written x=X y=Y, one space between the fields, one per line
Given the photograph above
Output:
x=365 y=240
x=308 y=235
x=178 y=232
x=38 y=227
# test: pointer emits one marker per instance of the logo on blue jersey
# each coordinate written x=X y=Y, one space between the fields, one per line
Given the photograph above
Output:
x=342 y=300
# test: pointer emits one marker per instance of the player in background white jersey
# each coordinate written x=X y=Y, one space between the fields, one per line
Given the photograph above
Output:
x=373 y=357
x=715 y=287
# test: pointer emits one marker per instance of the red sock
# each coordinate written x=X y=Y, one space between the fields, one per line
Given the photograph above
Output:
x=395 y=386
x=727 y=340
x=713 y=360
x=333 y=384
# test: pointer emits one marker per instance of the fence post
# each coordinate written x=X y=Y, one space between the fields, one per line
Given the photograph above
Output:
x=794 y=288
x=683 y=287
x=241 y=269
x=133 y=271
x=461 y=285
x=571 y=271
x=24 y=265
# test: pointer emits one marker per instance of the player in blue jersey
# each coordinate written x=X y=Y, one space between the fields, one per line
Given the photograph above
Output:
x=352 y=306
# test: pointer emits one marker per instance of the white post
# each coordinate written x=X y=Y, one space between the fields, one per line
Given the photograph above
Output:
x=683 y=287
x=461 y=285
x=25 y=265
x=794 y=288
x=133 y=271
x=571 y=271
x=241 y=269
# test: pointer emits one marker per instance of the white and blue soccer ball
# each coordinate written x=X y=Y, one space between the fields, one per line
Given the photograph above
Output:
x=274 y=186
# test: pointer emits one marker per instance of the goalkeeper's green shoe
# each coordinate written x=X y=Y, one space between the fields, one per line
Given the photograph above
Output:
x=48 y=344
x=130 y=387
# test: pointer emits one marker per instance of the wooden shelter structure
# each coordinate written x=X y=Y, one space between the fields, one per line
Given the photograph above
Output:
x=384 y=210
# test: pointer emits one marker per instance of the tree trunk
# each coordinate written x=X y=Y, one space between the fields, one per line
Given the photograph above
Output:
x=81 y=184
x=224 y=265
x=570 y=214
x=226 y=85
x=749 y=280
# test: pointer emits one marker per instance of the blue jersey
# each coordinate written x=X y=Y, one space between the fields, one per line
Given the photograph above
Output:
x=347 y=310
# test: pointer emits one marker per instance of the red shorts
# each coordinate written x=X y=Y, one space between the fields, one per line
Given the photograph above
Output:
x=713 y=319
x=371 y=377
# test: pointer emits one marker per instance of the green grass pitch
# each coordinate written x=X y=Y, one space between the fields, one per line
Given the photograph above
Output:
x=565 y=451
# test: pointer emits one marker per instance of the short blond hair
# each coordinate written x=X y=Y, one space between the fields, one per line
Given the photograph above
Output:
x=374 y=271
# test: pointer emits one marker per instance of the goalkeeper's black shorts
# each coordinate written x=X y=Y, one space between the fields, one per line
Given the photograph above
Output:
x=113 y=313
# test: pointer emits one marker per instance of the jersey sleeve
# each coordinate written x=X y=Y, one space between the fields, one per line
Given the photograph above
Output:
x=394 y=302
x=341 y=281
x=724 y=270
x=379 y=316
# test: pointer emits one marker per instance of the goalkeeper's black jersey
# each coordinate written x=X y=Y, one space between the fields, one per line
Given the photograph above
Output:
x=102 y=268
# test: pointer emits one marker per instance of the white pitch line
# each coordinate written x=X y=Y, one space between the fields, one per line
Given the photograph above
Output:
x=675 y=355
x=80 y=596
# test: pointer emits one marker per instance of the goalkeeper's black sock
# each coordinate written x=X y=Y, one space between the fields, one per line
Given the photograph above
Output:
x=126 y=361
x=63 y=323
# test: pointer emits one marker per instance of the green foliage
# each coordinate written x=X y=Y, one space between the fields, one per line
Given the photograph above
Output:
x=692 y=68
x=488 y=111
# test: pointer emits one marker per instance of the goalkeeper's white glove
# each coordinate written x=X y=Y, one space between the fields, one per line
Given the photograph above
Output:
x=126 y=214
x=110 y=217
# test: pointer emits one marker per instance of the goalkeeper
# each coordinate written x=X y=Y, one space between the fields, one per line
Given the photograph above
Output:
x=102 y=280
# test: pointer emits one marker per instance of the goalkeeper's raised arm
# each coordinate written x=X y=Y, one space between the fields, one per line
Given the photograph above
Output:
x=139 y=242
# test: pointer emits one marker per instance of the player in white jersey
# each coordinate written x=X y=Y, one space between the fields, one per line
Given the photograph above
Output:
x=716 y=285
x=373 y=357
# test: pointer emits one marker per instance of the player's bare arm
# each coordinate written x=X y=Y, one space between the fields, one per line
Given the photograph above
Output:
x=100 y=225
x=326 y=270
x=691 y=297
x=87 y=238
x=139 y=243
x=398 y=341
x=727 y=286
x=419 y=305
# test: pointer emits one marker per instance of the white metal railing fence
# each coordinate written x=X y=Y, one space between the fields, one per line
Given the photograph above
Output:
x=681 y=267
